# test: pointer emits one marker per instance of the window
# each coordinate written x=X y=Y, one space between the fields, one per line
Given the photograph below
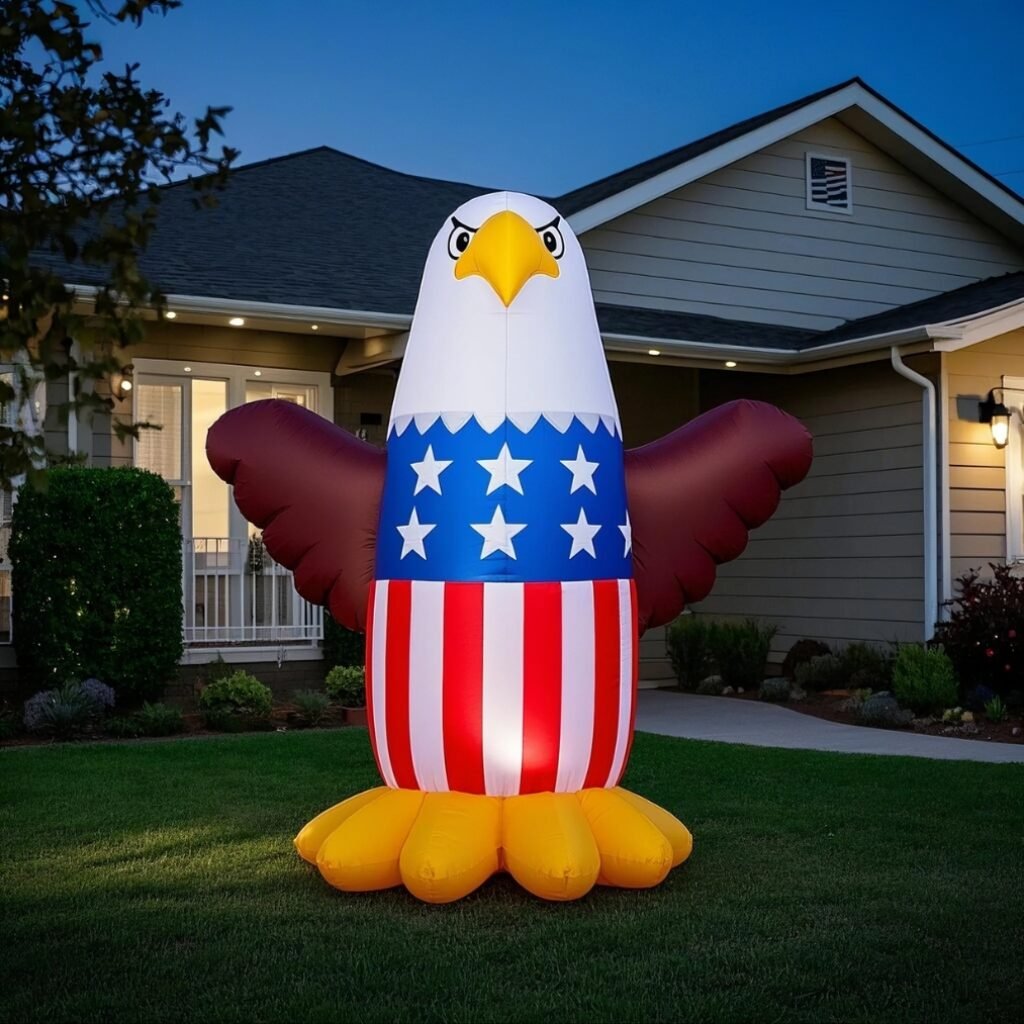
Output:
x=829 y=183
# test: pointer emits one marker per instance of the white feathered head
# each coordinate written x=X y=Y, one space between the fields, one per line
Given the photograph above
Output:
x=505 y=325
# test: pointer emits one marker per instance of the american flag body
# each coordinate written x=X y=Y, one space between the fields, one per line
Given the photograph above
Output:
x=502 y=625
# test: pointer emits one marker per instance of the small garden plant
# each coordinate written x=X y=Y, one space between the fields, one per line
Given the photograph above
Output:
x=236 y=702
x=68 y=711
x=346 y=684
x=923 y=679
x=995 y=710
x=689 y=649
x=312 y=705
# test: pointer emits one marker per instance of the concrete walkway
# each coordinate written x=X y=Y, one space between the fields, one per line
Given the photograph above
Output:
x=691 y=716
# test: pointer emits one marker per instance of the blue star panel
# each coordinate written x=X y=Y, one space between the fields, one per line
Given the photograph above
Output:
x=464 y=533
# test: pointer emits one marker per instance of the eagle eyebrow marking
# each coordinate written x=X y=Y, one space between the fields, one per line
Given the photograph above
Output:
x=544 y=227
x=458 y=224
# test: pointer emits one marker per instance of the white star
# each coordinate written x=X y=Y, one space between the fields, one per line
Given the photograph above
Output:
x=428 y=472
x=582 y=472
x=412 y=535
x=504 y=470
x=582 y=534
x=498 y=534
x=627 y=533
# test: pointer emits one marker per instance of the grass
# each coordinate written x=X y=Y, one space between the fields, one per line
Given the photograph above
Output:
x=156 y=881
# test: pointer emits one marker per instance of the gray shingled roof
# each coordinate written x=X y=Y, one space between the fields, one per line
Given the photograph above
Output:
x=322 y=228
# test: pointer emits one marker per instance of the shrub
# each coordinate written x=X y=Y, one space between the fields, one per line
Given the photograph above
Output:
x=689 y=648
x=64 y=712
x=342 y=646
x=97 y=570
x=985 y=630
x=347 y=685
x=883 y=711
x=865 y=667
x=230 y=702
x=995 y=710
x=159 y=720
x=775 y=690
x=311 y=704
x=99 y=693
x=824 y=672
x=923 y=678
x=740 y=651
x=122 y=727
x=800 y=653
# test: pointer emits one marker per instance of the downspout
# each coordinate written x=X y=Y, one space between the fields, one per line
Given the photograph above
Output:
x=931 y=519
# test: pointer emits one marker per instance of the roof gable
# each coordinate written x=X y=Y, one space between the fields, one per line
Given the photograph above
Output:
x=854 y=103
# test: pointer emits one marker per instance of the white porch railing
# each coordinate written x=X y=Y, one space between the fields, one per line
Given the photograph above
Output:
x=235 y=593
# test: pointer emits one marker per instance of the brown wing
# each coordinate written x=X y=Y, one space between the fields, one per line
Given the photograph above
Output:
x=695 y=494
x=313 y=489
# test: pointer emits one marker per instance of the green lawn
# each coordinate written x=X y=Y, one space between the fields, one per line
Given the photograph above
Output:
x=157 y=881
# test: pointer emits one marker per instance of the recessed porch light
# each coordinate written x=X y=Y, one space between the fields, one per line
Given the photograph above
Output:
x=314 y=327
x=654 y=351
x=237 y=321
x=170 y=314
x=187 y=369
x=257 y=373
x=730 y=364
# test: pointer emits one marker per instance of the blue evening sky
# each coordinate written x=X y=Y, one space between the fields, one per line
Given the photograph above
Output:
x=543 y=97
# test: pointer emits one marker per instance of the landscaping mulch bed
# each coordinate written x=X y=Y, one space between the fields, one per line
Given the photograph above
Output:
x=828 y=705
x=283 y=718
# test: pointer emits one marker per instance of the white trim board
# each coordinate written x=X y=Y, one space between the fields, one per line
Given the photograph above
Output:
x=1008 y=211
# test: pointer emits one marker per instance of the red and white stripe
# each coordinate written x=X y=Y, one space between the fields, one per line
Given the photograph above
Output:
x=501 y=688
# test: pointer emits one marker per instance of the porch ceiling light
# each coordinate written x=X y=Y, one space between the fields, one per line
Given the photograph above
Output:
x=654 y=351
x=237 y=321
x=997 y=416
x=122 y=381
x=170 y=314
x=730 y=364
x=314 y=327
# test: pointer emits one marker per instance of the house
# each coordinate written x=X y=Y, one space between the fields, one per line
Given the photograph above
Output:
x=831 y=256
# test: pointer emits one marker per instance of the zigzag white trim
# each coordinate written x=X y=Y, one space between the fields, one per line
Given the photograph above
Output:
x=525 y=421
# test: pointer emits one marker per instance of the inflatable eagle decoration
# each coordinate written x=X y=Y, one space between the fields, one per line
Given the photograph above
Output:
x=503 y=555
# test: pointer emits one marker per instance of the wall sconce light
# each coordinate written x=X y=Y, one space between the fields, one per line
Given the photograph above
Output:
x=997 y=416
x=122 y=382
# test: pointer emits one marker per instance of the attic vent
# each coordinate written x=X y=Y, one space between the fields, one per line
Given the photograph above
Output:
x=829 y=183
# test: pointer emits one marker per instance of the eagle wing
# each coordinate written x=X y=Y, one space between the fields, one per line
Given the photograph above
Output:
x=695 y=494
x=313 y=489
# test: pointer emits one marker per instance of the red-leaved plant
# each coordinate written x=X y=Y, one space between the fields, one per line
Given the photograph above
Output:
x=985 y=629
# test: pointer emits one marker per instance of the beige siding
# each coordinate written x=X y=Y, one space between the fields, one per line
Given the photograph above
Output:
x=841 y=560
x=741 y=244
x=977 y=474
x=653 y=400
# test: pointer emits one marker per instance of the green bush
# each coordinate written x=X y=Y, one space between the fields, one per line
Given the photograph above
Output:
x=347 y=685
x=159 y=720
x=865 y=667
x=235 y=701
x=882 y=711
x=825 y=672
x=97 y=569
x=689 y=648
x=312 y=705
x=775 y=690
x=342 y=646
x=63 y=713
x=740 y=651
x=923 y=679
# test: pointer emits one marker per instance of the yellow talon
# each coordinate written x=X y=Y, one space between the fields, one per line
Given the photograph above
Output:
x=442 y=846
x=453 y=846
x=634 y=852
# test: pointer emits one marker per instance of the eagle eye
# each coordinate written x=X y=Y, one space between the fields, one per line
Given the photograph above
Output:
x=551 y=236
x=459 y=239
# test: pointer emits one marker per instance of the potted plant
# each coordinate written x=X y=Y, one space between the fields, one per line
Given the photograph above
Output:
x=346 y=684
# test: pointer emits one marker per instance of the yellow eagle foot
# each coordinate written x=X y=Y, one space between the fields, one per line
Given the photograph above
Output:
x=442 y=846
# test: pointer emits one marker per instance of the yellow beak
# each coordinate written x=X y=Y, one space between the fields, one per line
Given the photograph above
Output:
x=506 y=252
